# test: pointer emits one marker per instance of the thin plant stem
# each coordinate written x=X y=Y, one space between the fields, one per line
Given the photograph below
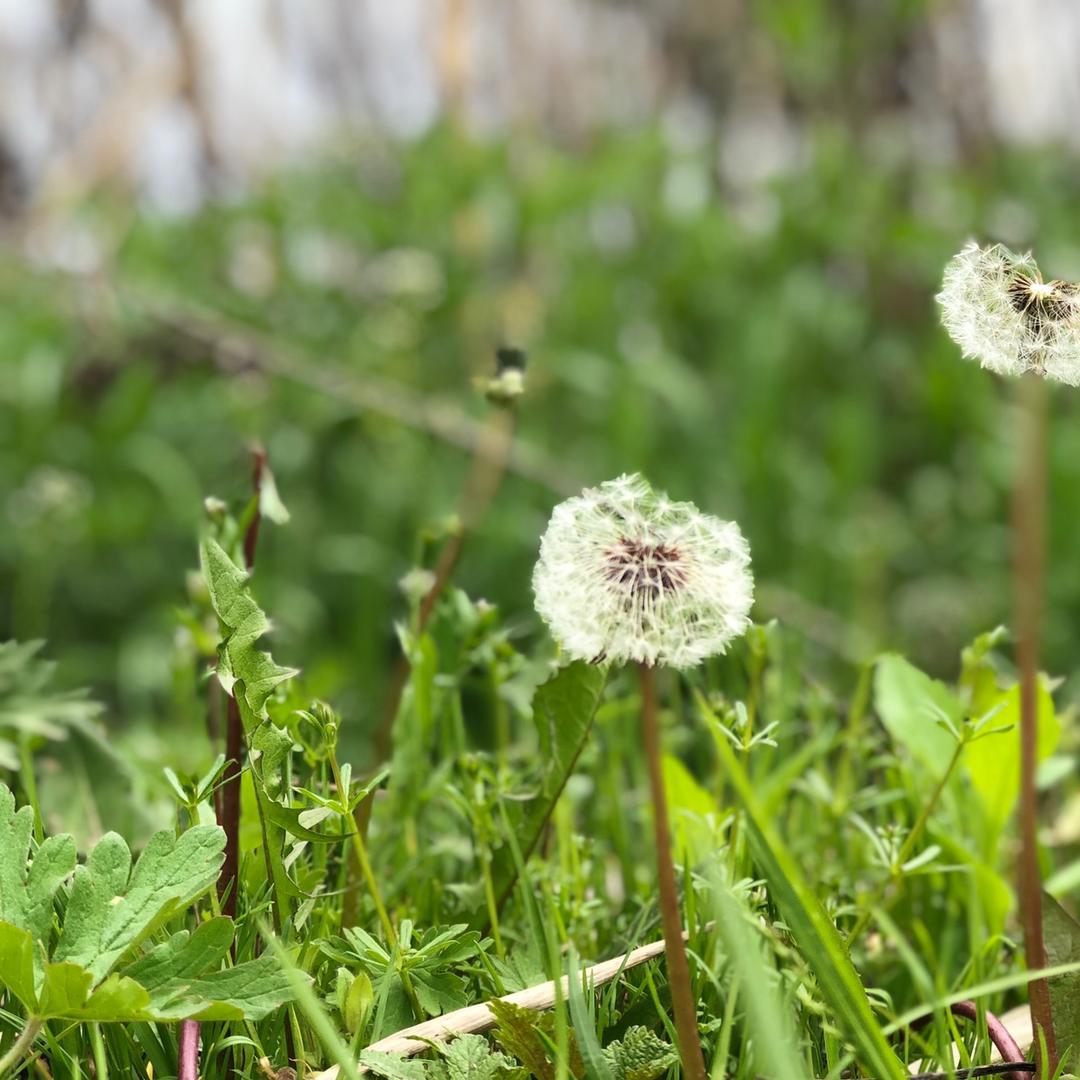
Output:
x=229 y=880
x=362 y=861
x=682 y=993
x=101 y=1059
x=908 y=846
x=1029 y=567
x=188 y=1059
x=21 y=1046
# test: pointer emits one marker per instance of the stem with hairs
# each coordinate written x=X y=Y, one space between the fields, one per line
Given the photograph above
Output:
x=1029 y=567
x=682 y=992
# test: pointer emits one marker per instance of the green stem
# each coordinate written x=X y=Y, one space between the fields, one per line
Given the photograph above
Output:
x=908 y=846
x=101 y=1062
x=360 y=851
x=21 y=1046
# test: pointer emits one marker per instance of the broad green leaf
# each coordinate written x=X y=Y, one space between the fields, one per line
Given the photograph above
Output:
x=993 y=761
x=184 y=956
x=252 y=990
x=641 y=1055
x=64 y=989
x=563 y=712
x=17 y=963
x=118 y=998
x=812 y=930
x=1061 y=933
x=691 y=808
x=910 y=705
x=109 y=913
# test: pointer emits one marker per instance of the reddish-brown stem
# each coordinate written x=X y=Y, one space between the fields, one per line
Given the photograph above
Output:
x=682 y=992
x=228 y=882
x=999 y=1034
x=188 y=1058
x=1029 y=543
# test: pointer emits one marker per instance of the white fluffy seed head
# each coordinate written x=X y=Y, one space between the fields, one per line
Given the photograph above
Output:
x=999 y=310
x=625 y=574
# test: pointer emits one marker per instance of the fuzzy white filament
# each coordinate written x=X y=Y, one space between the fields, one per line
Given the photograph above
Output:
x=625 y=574
x=999 y=310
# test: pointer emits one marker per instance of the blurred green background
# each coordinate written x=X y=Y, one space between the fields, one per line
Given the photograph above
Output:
x=768 y=348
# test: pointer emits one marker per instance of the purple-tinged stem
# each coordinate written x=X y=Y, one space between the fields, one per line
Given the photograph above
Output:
x=188 y=1062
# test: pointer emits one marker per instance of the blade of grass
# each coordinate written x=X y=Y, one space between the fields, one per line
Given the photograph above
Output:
x=775 y=1041
x=812 y=929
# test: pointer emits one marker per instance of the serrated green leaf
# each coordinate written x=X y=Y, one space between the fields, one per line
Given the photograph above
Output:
x=26 y=894
x=471 y=1057
x=184 y=956
x=392 y=1066
x=640 y=1055
x=243 y=622
x=109 y=913
x=252 y=990
x=17 y=964
x=520 y=1031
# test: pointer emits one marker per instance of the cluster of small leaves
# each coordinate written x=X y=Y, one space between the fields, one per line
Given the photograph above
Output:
x=420 y=970
x=528 y=1039
x=85 y=964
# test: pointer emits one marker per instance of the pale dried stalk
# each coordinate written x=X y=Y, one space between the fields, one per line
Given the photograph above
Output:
x=476 y=1018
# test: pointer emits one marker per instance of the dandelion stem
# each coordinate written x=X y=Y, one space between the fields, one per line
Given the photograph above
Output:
x=682 y=993
x=1029 y=542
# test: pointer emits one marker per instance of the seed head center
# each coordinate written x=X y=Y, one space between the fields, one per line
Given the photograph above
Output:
x=643 y=569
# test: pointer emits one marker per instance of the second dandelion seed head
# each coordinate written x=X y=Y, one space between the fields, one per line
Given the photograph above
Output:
x=626 y=574
x=999 y=310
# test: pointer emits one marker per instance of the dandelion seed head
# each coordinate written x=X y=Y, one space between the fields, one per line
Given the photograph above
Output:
x=626 y=574
x=999 y=310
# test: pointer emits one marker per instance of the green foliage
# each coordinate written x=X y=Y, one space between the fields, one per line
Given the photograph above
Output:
x=110 y=909
x=640 y=1055
x=244 y=671
x=1061 y=933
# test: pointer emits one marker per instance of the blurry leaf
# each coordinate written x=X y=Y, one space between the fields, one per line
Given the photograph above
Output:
x=358 y=1001
x=641 y=1055
x=993 y=762
x=392 y=1066
x=910 y=705
x=1061 y=933
x=270 y=504
x=691 y=807
x=812 y=930
x=563 y=712
x=17 y=955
